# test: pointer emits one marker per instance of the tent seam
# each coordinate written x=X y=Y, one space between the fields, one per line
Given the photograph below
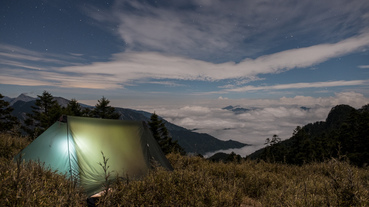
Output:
x=70 y=164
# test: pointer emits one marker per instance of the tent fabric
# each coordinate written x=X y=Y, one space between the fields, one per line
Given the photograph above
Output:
x=74 y=148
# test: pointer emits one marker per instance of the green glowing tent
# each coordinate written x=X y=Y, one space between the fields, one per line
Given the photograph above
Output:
x=74 y=147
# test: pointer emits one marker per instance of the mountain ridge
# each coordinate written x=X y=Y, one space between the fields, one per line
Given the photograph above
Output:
x=344 y=133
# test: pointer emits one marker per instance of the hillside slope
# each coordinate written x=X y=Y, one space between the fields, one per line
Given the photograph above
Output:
x=345 y=133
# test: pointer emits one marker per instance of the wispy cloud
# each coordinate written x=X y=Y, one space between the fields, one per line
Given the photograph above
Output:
x=19 y=64
x=222 y=30
x=301 y=85
x=14 y=55
x=126 y=67
x=165 y=83
x=363 y=66
x=129 y=66
x=202 y=41
x=222 y=98
x=22 y=81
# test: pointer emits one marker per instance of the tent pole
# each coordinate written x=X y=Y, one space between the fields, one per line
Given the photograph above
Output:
x=70 y=165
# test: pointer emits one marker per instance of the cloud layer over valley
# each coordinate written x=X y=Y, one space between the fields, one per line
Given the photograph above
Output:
x=263 y=119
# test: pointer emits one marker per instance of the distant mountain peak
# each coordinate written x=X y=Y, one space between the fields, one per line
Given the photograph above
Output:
x=236 y=109
x=62 y=101
x=22 y=97
x=230 y=107
x=304 y=108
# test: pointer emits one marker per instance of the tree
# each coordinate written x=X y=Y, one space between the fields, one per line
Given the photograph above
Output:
x=103 y=110
x=344 y=134
x=73 y=108
x=233 y=157
x=161 y=135
x=86 y=112
x=7 y=121
x=44 y=114
x=271 y=148
x=275 y=140
x=296 y=130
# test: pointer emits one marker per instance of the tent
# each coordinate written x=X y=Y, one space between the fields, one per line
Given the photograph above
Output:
x=74 y=147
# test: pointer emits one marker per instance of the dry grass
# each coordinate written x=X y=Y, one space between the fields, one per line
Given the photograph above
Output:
x=194 y=182
x=31 y=184
x=197 y=182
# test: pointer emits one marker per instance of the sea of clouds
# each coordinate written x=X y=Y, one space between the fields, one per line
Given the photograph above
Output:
x=264 y=119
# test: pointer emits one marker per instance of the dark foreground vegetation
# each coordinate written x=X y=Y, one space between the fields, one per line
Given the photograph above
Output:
x=194 y=182
x=345 y=133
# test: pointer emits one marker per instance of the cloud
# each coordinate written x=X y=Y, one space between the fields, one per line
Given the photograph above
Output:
x=126 y=67
x=363 y=66
x=266 y=117
x=19 y=64
x=178 y=40
x=240 y=151
x=301 y=85
x=22 y=81
x=352 y=98
x=13 y=54
x=229 y=30
x=252 y=127
x=202 y=41
x=165 y=83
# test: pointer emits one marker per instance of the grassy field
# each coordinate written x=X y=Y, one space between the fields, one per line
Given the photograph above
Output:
x=194 y=182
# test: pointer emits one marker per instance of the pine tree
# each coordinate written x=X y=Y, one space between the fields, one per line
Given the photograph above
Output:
x=73 y=108
x=161 y=135
x=103 y=110
x=86 y=112
x=45 y=113
x=7 y=121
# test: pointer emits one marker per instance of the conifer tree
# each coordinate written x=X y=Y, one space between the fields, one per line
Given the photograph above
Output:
x=233 y=157
x=73 y=108
x=45 y=113
x=161 y=135
x=7 y=121
x=103 y=110
x=86 y=112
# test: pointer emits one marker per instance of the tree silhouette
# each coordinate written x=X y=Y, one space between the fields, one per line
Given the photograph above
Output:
x=344 y=134
x=73 y=108
x=7 y=121
x=274 y=140
x=271 y=150
x=161 y=135
x=103 y=110
x=45 y=113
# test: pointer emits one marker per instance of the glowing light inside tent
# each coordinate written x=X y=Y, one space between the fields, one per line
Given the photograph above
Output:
x=63 y=145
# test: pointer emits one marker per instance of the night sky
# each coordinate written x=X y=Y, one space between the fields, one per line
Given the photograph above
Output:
x=189 y=55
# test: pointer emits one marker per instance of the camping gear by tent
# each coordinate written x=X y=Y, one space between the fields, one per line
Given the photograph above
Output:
x=74 y=148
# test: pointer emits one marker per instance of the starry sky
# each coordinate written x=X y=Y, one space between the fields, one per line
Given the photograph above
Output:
x=188 y=56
